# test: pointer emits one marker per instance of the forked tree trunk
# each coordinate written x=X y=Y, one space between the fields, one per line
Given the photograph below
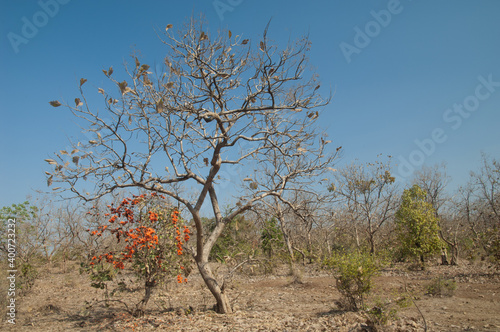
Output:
x=372 y=244
x=454 y=254
x=223 y=306
x=453 y=247
x=444 y=257
x=140 y=307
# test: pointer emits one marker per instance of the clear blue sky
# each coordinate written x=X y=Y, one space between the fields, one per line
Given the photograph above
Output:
x=400 y=70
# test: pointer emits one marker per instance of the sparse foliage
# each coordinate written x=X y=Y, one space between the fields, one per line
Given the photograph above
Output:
x=441 y=286
x=369 y=195
x=220 y=101
x=483 y=210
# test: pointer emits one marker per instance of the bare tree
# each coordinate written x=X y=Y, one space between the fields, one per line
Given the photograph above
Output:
x=322 y=233
x=221 y=101
x=477 y=204
x=486 y=185
x=336 y=229
x=370 y=195
x=465 y=209
x=290 y=175
x=291 y=218
x=482 y=205
x=433 y=180
x=311 y=212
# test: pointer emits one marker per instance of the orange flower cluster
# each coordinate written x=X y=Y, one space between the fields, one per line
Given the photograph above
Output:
x=109 y=259
x=153 y=216
x=123 y=211
x=180 y=280
x=178 y=239
x=141 y=239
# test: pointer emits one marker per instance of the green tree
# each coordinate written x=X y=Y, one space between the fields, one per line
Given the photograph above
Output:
x=26 y=234
x=271 y=237
x=20 y=240
x=417 y=224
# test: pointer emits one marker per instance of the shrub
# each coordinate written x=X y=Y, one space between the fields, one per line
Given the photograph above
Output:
x=491 y=244
x=27 y=277
x=271 y=238
x=237 y=241
x=354 y=272
x=380 y=314
x=441 y=286
x=383 y=311
x=100 y=273
x=154 y=236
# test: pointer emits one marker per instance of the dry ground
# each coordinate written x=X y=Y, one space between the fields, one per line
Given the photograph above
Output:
x=59 y=302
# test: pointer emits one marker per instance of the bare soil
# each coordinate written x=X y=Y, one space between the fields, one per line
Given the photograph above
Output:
x=62 y=300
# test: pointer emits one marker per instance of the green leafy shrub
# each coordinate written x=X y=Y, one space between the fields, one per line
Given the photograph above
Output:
x=380 y=314
x=491 y=244
x=271 y=238
x=237 y=241
x=99 y=273
x=27 y=277
x=354 y=272
x=441 y=286
x=384 y=311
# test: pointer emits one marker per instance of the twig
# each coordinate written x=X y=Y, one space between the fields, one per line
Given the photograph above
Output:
x=230 y=273
x=421 y=314
x=112 y=300
x=416 y=306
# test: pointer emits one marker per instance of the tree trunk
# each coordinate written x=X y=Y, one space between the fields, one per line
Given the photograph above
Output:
x=422 y=262
x=303 y=255
x=444 y=257
x=372 y=245
x=309 y=243
x=288 y=242
x=290 y=251
x=357 y=237
x=139 y=308
x=454 y=254
x=453 y=247
x=223 y=306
